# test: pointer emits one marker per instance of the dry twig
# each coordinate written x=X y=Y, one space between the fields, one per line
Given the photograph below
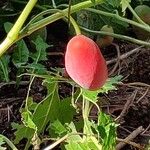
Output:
x=126 y=106
x=125 y=55
x=129 y=138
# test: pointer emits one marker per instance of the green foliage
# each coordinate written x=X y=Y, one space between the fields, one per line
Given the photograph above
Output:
x=109 y=86
x=125 y=4
x=4 y=68
x=22 y=132
x=21 y=54
x=40 y=53
x=2 y=143
x=107 y=131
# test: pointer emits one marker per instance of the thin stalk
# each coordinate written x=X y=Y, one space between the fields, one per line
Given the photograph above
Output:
x=13 y=147
x=85 y=114
x=144 y=27
x=87 y=129
x=119 y=36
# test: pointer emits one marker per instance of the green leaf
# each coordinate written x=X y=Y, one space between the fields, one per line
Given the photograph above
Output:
x=27 y=120
x=48 y=109
x=110 y=84
x=21 y=54
x=22 y=132
x=107 y=131
x=90 y=95
x=8 y=26
x=72 y=129
x=66 y=111
x=114 y=3
x=37 y=67
x=4 y=68
x=1 y=143
x=76 y=146
x=31 y=105
x=40 y=53
x=125 y=4
x=58 y=128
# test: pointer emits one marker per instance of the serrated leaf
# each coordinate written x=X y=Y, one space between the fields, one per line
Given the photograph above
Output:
x=107 y=131
x=48 y=109
x=22 y=132
x=125 y=4
x=110 y=84
x=37 y=67
x=4 y=68
x=21 y=54
x=40 y=53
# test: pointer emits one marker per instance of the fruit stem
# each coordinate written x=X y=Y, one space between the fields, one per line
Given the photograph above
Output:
x=75 y=25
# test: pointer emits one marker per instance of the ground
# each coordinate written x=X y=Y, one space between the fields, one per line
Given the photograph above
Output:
x=129 y=104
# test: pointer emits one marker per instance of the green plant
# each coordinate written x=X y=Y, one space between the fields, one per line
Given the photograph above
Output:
x=55 y=115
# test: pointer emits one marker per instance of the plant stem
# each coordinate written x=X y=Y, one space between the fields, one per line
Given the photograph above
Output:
x=144 y=27
x=9 y=40
x=85 y=114
x=22 y=18
x=119 y=36
x=136 y=16
x=13 y=147
x=57 y=16
x=14 y=32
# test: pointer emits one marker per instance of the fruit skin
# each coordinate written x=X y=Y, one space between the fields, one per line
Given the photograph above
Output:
x=85 y=64
x=106 y=40
x=143 y=11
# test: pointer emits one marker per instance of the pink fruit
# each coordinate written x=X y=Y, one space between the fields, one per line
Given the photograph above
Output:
x=85 y=64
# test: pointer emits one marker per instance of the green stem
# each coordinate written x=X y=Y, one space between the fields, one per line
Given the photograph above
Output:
x=9 y=41
x=119 y=36
x=14 y=32
x=85 y=113
x=136 y=16
x=146 y=28
x=13 y=147
x=22 y=18
x=58 y=16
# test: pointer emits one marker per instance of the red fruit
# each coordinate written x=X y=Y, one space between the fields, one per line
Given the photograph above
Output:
x=85 y=63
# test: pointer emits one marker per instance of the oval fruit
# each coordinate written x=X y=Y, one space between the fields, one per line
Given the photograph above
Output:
x=105 y=40
x=85 y=64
